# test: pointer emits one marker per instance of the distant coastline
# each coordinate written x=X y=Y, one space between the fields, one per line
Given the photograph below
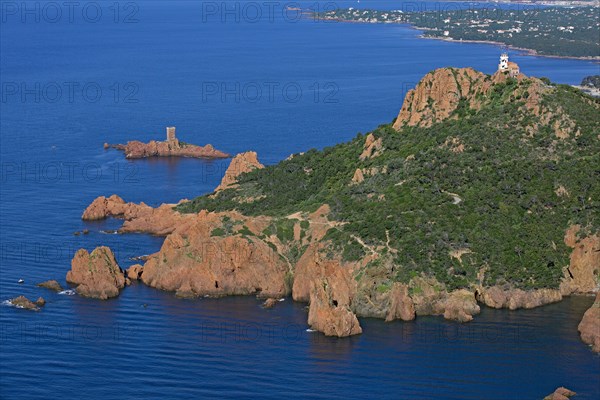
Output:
x=542 y=37
x=529 y=52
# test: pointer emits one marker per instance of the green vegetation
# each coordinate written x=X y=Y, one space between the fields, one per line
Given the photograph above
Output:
x=518 y=189
x=553 y=31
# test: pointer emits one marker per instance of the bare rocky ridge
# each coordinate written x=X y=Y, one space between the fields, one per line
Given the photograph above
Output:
x=97 y=274
x=441 y=92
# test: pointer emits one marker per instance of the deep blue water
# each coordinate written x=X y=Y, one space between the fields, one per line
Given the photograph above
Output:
x=179 y=64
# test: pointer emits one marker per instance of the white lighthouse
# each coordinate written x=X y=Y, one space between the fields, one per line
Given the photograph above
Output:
x=508 y=67
x=503 y=66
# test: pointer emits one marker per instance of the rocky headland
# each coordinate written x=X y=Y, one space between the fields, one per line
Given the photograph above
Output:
x=244 y=240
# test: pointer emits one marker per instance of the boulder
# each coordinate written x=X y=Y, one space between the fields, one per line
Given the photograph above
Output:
x=135 y=272
x=96 y=275
x=40 y=302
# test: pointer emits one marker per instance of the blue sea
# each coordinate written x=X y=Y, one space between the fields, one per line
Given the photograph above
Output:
x=241 y=76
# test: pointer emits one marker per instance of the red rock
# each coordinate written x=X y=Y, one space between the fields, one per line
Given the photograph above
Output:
x=560 y=394
x=270 y=302
x=372 y=148
x=402 y=306
x=460 y=306
x=24 y=302
x=194 y=263
x=589 y=327
x=173 y=148
x=138 y=217
x=584 y=266
x=97 y=274
x=135 y=272
x=438 y=94
x=241 y=163
x=514 y=299
x=52 y=285
x=329 y=313
x=40 y=302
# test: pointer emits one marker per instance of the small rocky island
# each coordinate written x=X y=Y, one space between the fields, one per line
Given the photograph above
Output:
x=172 y=147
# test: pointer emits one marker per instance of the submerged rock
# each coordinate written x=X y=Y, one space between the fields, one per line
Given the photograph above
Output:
x=96 y=275
x=52 y=285
x=270 y=302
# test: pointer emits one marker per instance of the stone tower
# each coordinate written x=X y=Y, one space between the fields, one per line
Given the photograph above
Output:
x=171 y=134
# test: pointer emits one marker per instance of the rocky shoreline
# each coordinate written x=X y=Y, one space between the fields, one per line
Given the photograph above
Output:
x=228 y=253
x=195 y=262
x=222 y=253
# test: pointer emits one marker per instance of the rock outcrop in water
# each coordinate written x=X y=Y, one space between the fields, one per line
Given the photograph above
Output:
x=26 y=304
x=52 y=285
x=172 y=148
x=589 y=327
x=138 y=217
x=96 y=275
x=560 y=394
